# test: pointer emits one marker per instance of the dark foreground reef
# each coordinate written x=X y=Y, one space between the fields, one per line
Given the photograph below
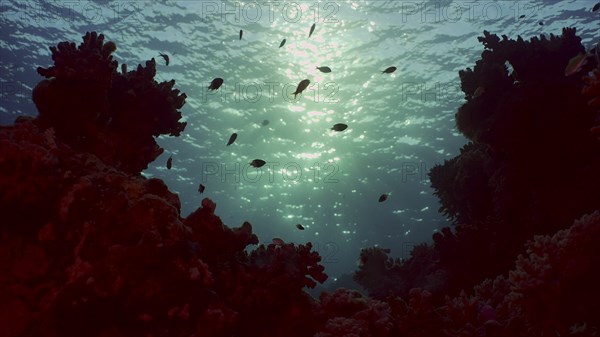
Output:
x=89 y=247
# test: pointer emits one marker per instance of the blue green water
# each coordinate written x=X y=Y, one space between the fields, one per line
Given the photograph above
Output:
x=400 y=124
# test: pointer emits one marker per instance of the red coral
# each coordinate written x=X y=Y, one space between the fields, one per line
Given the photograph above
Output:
x=555 y=284
x=592 y=89
x=95 y=109
x=347 y=313
x=91 y=61
x=109 y=255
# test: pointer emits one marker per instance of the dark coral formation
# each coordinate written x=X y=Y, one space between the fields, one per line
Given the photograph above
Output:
x=89 y=247
x=592 y=91
x=95 y=109
x=532 y=167
x=109 y=254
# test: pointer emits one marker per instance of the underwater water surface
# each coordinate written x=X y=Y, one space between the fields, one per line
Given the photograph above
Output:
x=400 y=124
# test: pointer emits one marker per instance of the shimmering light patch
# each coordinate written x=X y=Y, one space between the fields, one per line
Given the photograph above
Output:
x=424 y=208
x=303 y=51
x=407 y=232
x=409 y=140
x=234 y=112
x=371 y=25
x=316 y=113
x=296 y=108
x=359 y=138
x=305 y=155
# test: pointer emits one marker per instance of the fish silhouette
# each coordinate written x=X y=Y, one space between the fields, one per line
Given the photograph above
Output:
x=301 y=86
x=215 y=84
x=312 y=29
x=232 y=139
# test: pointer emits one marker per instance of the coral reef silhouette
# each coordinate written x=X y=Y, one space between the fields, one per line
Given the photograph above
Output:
x=90 y=247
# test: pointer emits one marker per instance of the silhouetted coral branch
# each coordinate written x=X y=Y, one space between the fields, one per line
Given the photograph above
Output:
x=95 y=109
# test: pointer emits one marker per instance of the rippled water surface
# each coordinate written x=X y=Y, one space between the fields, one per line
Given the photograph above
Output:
x=400 y=124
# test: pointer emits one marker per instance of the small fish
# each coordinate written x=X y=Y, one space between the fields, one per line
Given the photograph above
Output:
x=300 y=227
x=265 y=122
x=596 y=7
x=232 y=139
x=258 y=163
x=339 y=127
x=215 y=84
x=312 y=29
x=241 y=33
x=201 y=188
x=478 y=92
x=278 y=241
x=166 y=57
x=522 y=16
x=324 y=69
x=383 y=197
x=282 y=43
x=169 y=162
x=575 y=64
x=301 y=86
x=541 y=23
x=389 y=70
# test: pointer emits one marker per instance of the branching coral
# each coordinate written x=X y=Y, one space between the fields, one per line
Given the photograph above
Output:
x=105 y=251
x=378 y=273
x=95 y=109
x=592 y=90
x=524 y=110
x=348 y=313
x=555 y=283
x=109 y=254
x=510 y=182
